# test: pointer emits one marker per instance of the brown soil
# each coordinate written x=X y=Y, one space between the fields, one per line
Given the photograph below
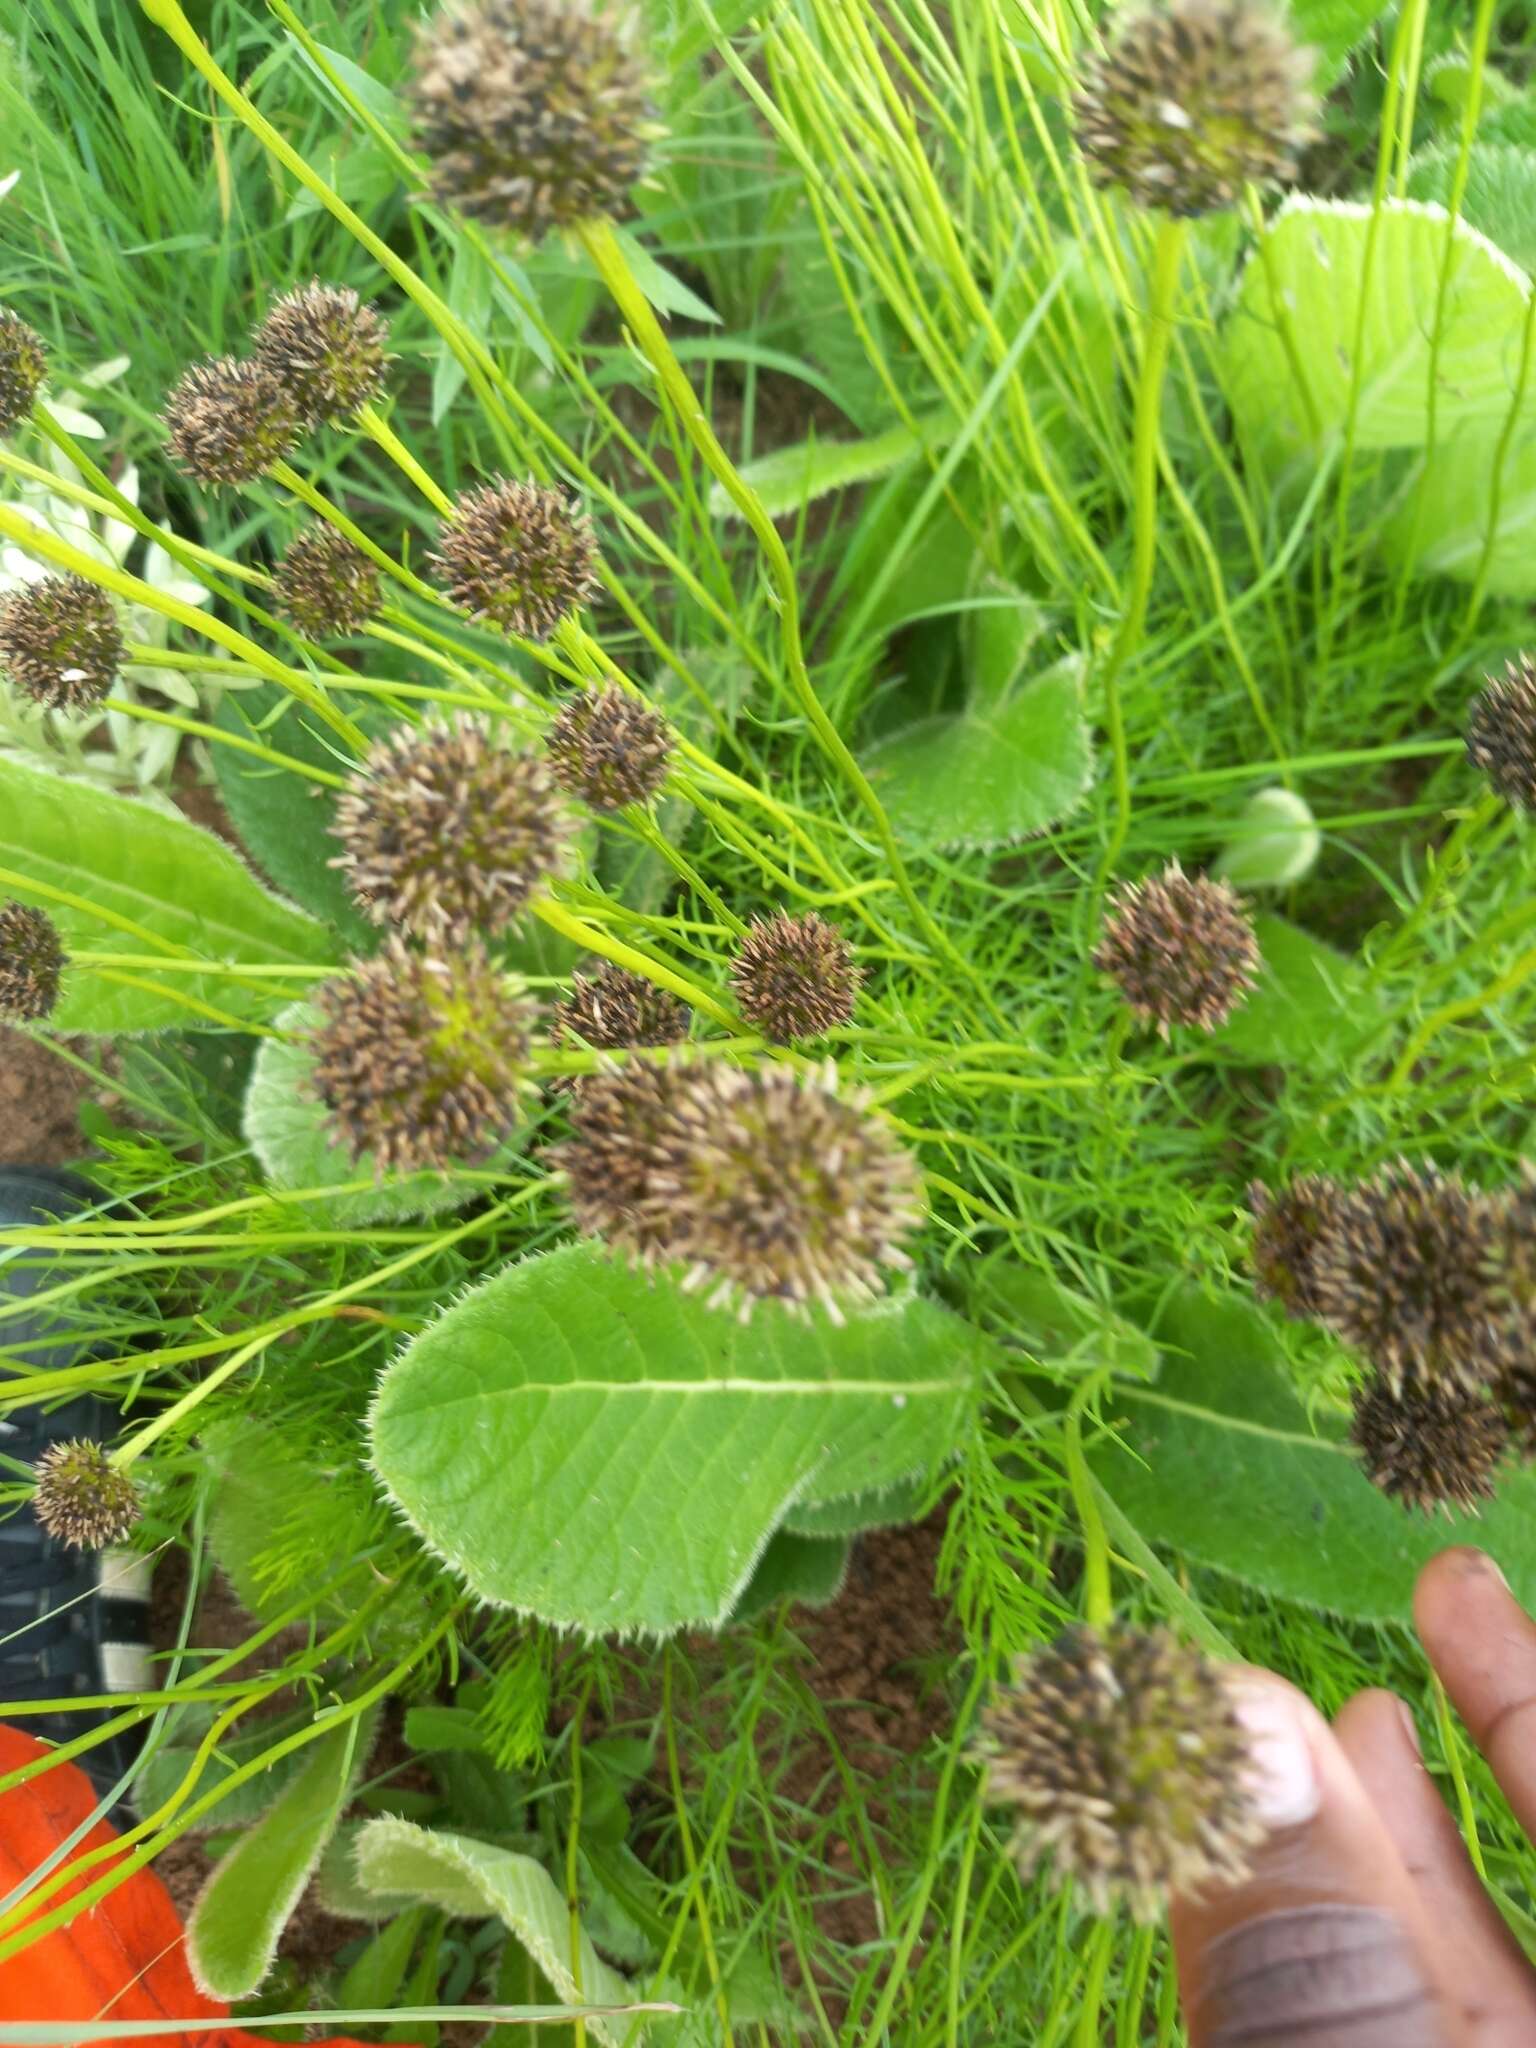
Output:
x=39 y=1103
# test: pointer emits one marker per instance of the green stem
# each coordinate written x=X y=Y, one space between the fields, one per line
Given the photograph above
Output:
x=595 y=940
x=1098 y=1599
x=1167 y=253
x=379 y=431
x=284 y=474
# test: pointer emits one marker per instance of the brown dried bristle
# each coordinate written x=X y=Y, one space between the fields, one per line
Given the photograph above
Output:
x=533 y=114
x=618 y=1116
x=82 y=1498
x=1429 y=1447
x=766 y=1186
x=421 y=1062
x=31 y=963
x=613 y=1010
x=1194 y=99
x=610 y=748
x=325 y=584
x=1404 y=1275
x=23 y=366
x=448 y=831
x=327 y=347
x=794 y=977
x=1288 y=1225
x=1180 y=949
x=519 y=556
x=228 y=421
x=1501 y=733
x=1125 y=1758
x=60 y=641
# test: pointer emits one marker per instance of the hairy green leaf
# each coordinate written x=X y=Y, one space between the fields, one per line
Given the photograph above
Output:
x=808 y=1570
x=1055 y=1322
x=884 y=1508
x=791 y=477
x=122 y=875
x=1311 y=1003
x=1471 y=512
x=1500 y=194
x=1334 y=28
x=600 y=1449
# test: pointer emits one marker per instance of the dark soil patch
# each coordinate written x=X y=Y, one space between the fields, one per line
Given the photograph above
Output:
x=40 y=1096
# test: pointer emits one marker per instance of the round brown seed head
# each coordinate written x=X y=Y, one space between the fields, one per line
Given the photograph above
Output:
x=31 y=963
x=1128 y=1765
x=228 y=422
x=1403 y=1274
x=1501 y=733
x=615 y=1009
x=794 y=977
x=1180 y=948
x=533 y=114
x=421 y=1062
x=447 y=831
x=1192 y=100
x=1429 y=1447
x=1287 y=1227
x=60 y=641
x=82 y=1498
x=617 y=1120
x=327 y=586
x=520 y=556
x=610 y=748
x=327 y=348
x=23 y=366
x=771 y=1187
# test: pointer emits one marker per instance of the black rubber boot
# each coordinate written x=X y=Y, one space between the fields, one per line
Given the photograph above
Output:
x=73 y=1623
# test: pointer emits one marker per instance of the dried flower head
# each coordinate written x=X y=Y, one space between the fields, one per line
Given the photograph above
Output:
x=1181 y=949
x=1429 y=1447
x=615 y=1009
x=82 y=1498
x=771 y=1187
x=327 y=348
x=31 y=963
x=228 y=421
x=1501 y=733
x=23 y=366
x=610 y=748
x=1124 y=1754
x=1288 y=1225
x=1404 y=1273
x=421 y=1061
x=60 y=641
x=519 y=556
x=534 y=114
x=446 y=830
x=618 y=1118
x=1193 y=99
x=794 y=977
x=325 y=584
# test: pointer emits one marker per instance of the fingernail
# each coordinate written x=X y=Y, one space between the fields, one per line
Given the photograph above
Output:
x=1283 y=1776
x=1410 y=1726
x=1338 y=1976
x=1492 y=1569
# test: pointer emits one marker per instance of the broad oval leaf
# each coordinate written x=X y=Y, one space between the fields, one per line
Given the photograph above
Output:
x=1311 y=1003
x=1312 y=268
x=808 y=1570
x=1499 y=197
x=172 y=888
x=1471 y=512
x=999 y=771
x=1221 y=1462
x=587 y=1444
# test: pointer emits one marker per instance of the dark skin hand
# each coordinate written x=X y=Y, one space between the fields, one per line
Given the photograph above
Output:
x=1364 y=1924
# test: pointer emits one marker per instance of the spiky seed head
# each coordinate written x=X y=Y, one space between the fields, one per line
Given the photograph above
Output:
x=60 y=641
x=1180 y=948
x=421 y=1062
x=82 y=1498
x=773 y=1187
x=23 y=366
x=1125 y=1757
x=1429 y=1447
x=794 y=977
x=31 y=963
x=229 y=421
x=327 y=347
x=533 y=114
x=610 y=748
x=1194 y=98
x=1404 y=1275
x=1288 y=1225
x=446 y=830
x=615 y=1009
x=618 y=1118
x=520 y=556
x=1501 y=733
x=326 y=584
